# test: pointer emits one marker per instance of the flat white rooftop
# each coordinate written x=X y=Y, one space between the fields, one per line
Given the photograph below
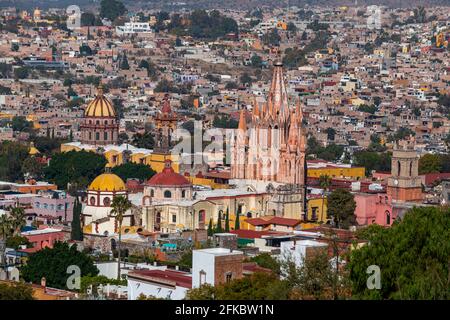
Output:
x=40 y=231
x=219 y=251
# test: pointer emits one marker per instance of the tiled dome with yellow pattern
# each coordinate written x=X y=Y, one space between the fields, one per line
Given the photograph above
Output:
x=107 y=182
x=100 y=106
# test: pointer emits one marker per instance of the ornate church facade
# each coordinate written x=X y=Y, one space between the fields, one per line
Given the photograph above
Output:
x=270 y=152
x=100 y=125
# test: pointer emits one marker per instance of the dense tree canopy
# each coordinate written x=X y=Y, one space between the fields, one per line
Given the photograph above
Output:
x=430 y=163
x=52 y=264
x=413 y=257
x=134 y=170
x=16 y=291
x=341 y=207
x=258 y=286
x=78 y=168
x=12 y=156
x=224 y=121
x=204 y=25
x=111 y=9
x=373 y=161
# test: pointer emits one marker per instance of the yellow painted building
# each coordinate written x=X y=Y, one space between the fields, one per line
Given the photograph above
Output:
x=337 y=172
x=316 y=211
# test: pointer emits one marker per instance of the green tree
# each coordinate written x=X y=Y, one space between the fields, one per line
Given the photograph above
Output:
x=227 y=221
x=341 y=208
x=120 y=205
x=76 y=231
x=225 y=121
x=112 y=9
x=294 y=57
x=401 y=134
x=20 y=123
x=258 y=286
x=186 y=259
x=416 y=265
x=124 y=62
x=21 y=73
x=246 y=79
x=265 y=260
x=33 y=168
x=12 y=156
x=78 y=168
x=17 y=241
x=256 y=61
x=368 y=109
x=52 y=263
x=272 y=38
x=210 y=228
x=373 y=161
x=237 y=222
x=331 y=133
x=134 y=170
x=145 y=140
x=430 y=163
x=94 y=283
x=219 y=223
x=6 y=228
x=90 y=19
x=17 y=216
x=212 y=25
x=16 y=291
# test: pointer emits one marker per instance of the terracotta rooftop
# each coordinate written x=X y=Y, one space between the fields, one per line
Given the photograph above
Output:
x=169 y=277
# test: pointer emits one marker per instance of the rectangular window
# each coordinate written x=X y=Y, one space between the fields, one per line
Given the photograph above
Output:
x=174 y=218
x=202 y=277
x=228 y=276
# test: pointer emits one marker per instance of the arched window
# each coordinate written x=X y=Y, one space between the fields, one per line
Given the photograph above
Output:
x=97 y=122
x=106 y=121
x=152 y=193
x=92 y=201
x=399 y=168
x=106 y=202
x=183 y=193
x=105 y=135
x=388 y=218
x=167 y=194
x=97 y=136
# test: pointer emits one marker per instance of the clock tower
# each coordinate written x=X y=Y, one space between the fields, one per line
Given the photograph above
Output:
x=405 y=185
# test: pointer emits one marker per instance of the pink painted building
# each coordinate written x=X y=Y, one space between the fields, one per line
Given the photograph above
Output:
x=374 y=208
x=44 y=237
x=53 y=205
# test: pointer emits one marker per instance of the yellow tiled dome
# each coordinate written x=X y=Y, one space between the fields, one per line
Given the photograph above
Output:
x=33 y=150
x=100 y=106
x=107 y=182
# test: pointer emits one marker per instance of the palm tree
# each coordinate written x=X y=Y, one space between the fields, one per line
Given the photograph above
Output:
x=5 y=231
x=5 y=226
x=120 y=205
x=17 y=219
x=324 y=182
